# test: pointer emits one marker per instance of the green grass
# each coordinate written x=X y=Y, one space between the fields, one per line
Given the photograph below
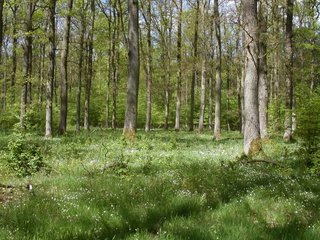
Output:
x=165 y=185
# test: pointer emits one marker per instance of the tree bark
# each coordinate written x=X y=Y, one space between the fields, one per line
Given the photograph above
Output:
x=203 y=68
x=130 y=124
x=195 y=68
x=288 y=70
x=251 y=109
x=179 y=75
x=217 y=117
x=263 y=87
x=52 y=65
x=64 y=70
x=86 y=123
x=149 y=69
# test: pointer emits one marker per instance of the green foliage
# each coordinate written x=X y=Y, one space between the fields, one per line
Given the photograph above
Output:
x=308 y=127
x=24 y=157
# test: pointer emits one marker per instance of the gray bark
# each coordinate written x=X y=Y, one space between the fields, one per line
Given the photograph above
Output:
x=51 y=70
x=130 y=124
x=149 y=69
x=251 y=108
x=64 y=70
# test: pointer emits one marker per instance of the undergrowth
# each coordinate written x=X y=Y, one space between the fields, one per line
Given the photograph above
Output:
x=162 y=185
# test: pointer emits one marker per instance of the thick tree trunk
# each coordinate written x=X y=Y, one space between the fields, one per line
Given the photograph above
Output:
x=195 y=68
x=64 y=70
x=288 y=67
x=251 y=109
x=263 y=87
x=217 y=118
x=51 y=70
x=86 y=123
x=130 y=124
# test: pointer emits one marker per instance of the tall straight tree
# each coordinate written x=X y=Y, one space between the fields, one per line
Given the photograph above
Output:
x=203 y=66
x=179 y=77
x=130 y=124
x=288 y=71
x=148 y=68
x=64 y=69
x=263 y=87
x=195 y=69
x=251 y=108
x=217 y=116
x=27 y=55
x=52 y=66
x=1 y=36
x=90 y=68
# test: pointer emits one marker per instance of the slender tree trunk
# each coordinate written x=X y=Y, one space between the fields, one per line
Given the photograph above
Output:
x=251 y=109
x=79 y=90
x=114 y=66
x=179 y=77
x=217 y=118
x=52 y=66
x=149 y=70
x=130 y=124
x=263 y=87
x=289 y=79
x=26 y=86
x=195 y=68
x=203 y=68
x=1 y=45
x=64 y=70
x=86 y=123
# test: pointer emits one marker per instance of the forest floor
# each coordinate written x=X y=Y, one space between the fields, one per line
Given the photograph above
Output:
x=164 y=185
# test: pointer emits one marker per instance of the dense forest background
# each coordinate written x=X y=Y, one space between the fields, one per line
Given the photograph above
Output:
x=75 y=54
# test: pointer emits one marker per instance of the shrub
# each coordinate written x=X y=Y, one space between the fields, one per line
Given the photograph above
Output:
x=24 y=157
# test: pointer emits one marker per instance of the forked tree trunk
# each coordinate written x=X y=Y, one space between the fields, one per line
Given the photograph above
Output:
x=130 y=124
x=64 y=70
x=51 y=70
x=251 y=109
x=288 y=68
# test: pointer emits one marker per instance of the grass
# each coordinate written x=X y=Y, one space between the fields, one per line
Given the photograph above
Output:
x=164 y=185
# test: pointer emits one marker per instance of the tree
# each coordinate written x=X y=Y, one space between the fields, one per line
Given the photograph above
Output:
x=64 y=69
x=217 y=118
x=251 y=108
x=288 y=73
x=179 y=77
x=263 y=87
x=51 y=70
x=130 y=124
x=203 y=67
x=90 y=67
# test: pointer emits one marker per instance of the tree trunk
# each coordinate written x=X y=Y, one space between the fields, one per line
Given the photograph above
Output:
x=179 y=77
x=86 y=123
x=251 y=109
x=52 y=66
x=203 y=68
x=195 y=68
x=263 y=87
x=149 y=70
x=217 y=116
x=27 y=47
x=288 y=68
x=64 y=70
x=130 y=124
